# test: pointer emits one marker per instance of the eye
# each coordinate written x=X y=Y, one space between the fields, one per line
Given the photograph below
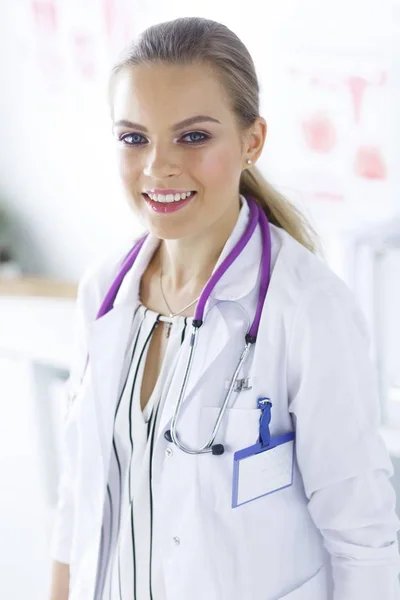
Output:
x=196 y=137
x=132 y=139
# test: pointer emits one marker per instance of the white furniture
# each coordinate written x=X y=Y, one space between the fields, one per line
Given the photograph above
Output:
x=39 y=330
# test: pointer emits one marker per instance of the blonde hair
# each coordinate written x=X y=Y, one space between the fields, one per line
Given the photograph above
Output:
x=194 y=40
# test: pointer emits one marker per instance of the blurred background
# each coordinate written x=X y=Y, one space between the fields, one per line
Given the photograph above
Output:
x=330 y=92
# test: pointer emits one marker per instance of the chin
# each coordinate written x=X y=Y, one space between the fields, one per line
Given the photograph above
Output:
x=169 y=233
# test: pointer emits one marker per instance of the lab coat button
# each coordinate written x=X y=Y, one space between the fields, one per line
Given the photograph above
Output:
x=168 y=452
x=177 y=541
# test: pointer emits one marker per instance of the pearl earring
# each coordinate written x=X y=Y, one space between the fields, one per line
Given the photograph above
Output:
x=248 y=161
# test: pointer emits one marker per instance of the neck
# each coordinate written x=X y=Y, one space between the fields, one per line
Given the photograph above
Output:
x=187 y=263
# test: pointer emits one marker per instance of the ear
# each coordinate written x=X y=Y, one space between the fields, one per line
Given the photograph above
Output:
x=255 y=139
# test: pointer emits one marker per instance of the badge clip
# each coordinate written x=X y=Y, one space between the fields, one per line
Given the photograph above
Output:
x=265 y=406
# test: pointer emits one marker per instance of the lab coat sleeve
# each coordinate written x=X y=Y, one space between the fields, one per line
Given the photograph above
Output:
x=64 y=514
x=342 y=458
x=92 y=288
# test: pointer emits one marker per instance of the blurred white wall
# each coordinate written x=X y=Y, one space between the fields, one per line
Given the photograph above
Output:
x=57 y=168
x=388 y=334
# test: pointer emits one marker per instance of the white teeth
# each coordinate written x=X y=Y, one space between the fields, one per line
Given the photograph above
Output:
x=167 y=198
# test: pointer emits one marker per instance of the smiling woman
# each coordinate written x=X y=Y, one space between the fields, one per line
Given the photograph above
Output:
x=289 y=498
x=203 y=153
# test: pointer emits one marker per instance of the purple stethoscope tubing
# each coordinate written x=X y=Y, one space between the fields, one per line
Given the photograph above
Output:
x=257 y=216
x=109 y=298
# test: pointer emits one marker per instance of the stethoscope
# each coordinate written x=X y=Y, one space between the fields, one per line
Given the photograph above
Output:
x=257 y=216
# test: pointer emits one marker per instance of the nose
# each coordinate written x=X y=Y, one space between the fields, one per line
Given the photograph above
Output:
x=161 y=162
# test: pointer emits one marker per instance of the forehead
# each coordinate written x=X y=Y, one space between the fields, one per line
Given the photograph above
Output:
x=158 y=94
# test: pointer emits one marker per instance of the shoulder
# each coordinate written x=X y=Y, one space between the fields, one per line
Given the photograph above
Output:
x=300 y=267
x=306 y=284
x=96 y=280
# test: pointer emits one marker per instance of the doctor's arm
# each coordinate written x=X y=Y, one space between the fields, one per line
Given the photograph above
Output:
x=343 y=461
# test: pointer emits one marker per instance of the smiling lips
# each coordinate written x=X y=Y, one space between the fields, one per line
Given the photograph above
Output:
x=169 y=201
x=168 y=195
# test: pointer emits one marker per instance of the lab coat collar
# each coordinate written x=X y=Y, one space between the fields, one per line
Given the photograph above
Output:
x=241 y=278
x=235 y=284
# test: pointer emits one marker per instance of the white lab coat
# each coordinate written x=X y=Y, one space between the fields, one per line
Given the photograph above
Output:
x=332 y=534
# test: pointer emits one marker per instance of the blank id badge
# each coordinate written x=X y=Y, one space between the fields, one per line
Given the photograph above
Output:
x=265 y=467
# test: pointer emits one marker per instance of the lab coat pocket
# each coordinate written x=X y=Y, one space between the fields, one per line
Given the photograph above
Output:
x=239 y=429
x=315 y=588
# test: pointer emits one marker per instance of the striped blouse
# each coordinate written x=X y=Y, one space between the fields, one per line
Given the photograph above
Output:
x=128 y=568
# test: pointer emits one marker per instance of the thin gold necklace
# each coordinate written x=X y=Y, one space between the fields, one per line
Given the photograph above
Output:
x=171 y=314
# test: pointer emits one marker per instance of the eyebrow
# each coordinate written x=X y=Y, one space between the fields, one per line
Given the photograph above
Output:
x=185 y=123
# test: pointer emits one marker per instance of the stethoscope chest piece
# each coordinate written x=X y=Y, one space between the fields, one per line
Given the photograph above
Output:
x=216 y=449
x=257 y=216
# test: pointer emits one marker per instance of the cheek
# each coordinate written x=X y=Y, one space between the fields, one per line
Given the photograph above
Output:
x=217 y=166
x=127 y=167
